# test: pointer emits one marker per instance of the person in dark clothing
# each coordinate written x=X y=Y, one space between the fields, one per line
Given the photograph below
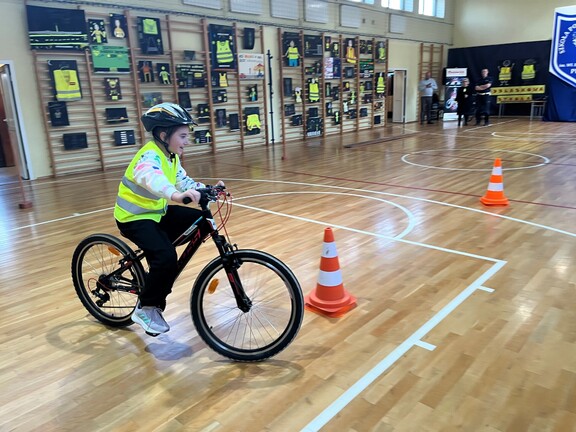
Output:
x=482 y=88
x=464 y=99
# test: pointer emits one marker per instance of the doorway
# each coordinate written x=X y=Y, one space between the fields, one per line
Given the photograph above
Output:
x=11 y=133
x=396 y=85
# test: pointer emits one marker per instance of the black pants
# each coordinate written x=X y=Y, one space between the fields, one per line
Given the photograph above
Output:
x=463 y=112
x=426 y=108
x=482 y=107
x=155 y=239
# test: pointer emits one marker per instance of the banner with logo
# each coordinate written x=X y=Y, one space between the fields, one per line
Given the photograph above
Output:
x=454 y=77
x=563 y=52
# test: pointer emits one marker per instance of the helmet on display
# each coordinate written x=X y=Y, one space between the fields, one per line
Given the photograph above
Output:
x=166 y=115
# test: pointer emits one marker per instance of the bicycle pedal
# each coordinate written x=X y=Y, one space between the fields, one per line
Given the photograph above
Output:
x=152 y=334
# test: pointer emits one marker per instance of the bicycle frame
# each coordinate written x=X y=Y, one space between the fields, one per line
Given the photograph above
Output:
x=193 y=236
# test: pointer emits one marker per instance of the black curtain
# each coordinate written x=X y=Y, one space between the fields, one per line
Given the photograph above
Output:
x=492 y=56
x=561 y=104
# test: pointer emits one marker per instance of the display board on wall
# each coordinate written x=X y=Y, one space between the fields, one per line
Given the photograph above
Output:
x=251 y=66
x=54 y=28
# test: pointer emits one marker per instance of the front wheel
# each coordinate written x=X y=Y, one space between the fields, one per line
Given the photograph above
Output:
x=107 y=278
x=271 y=323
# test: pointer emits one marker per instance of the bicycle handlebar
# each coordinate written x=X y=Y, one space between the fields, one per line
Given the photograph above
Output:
x=207 y=194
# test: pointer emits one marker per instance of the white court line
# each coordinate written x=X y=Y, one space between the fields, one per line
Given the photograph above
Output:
x=405 y=157
x=415 y=339
x=75 y=215
x=546 y=227
x=483 y=288
x=382 y=236
x=409 y=214
x=425 y=345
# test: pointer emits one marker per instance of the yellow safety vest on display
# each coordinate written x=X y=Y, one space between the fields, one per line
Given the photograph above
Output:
x=528 y=72
x=67 y=85
x=223 y=79
x=223 y=52
x=313 y=92
x=350 y=55
x=293 y=53
x=381 y=53
x=252 y=121
x=135 y=202
x=380 y=85
x=149 y=26
x=505 y=73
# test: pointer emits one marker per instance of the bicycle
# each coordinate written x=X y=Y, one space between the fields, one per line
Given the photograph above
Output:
x=254 y=316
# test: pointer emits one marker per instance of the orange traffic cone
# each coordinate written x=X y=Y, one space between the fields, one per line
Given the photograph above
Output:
x=495 y=193
x=330 y=298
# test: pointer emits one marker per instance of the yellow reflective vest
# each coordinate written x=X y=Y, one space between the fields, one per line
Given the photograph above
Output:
x=505 y=73
x=67 y=85
x=293 y=53
x=135 y=202
x=350 y=55
x=223 y=79
x=528 y=72
x=252 y=122
x=313 y=92
x=223 y=52
x=380 y=87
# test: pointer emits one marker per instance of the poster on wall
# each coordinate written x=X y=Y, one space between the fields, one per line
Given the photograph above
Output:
x=118 y=25
x=97 y=31
x=250 y=66
x=222 y=46
x=54 y=28
x=109 y=58
x=454 y=77
x=291 y=49
x=150 y=35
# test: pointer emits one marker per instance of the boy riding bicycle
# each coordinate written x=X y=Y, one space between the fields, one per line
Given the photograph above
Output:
x=143 y=215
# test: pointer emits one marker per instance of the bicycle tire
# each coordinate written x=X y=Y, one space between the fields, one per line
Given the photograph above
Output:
x=271 y=324
x=109 y=301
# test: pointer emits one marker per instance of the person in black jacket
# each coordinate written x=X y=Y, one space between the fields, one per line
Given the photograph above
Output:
x=464 y=99
x=482 y=88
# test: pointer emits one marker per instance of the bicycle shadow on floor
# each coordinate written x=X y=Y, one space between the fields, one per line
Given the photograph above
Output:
x=93 y=338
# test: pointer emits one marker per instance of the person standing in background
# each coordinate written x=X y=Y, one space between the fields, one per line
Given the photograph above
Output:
x=464 y=99
x=482 y=88
x=426 y=87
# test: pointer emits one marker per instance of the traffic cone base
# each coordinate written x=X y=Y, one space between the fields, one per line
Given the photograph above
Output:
x=329 y=308
x=329 y=298
x=495 y=193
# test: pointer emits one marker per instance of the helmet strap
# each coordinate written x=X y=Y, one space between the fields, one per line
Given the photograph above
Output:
x=165 y=144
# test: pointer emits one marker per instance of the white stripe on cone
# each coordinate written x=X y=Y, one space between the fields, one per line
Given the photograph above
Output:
x=329 y=250
x=496 y=187
x=497 y=170
x=330 y=279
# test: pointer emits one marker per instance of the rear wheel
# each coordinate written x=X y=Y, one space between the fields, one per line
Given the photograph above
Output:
x=271 y=323
x=107 y=279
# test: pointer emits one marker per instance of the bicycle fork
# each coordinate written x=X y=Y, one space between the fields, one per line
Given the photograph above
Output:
x=231 y=266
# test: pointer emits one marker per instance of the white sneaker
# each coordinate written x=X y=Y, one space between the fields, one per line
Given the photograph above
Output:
x=151 y=319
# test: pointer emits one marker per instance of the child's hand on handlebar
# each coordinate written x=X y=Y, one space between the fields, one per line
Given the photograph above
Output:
x=186 y=197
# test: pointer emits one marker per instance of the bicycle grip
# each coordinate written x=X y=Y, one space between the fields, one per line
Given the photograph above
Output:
x=186 y=200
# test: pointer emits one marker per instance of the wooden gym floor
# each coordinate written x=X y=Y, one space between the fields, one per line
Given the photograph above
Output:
x=466 y=316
